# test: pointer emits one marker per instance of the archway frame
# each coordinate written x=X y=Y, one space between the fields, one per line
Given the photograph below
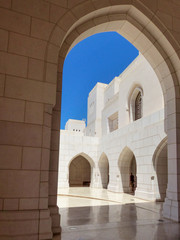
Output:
x=151 y=37
x=88 y=159
x=86 y=156
x=125 y=165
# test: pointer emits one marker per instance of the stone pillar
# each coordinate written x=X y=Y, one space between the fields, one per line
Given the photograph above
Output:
x=24 y=168
x=53 y=165
x=24 y=128
x=171 y=207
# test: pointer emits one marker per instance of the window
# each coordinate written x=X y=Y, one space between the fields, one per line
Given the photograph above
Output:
x=138 y=107
x=113 y=122
x=136 y=101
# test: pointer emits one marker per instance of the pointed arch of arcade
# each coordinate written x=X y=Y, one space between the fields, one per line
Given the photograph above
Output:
x=80 y=170
x=127 y=165
x=103 y=165
x=86 y=156
x=160 y=165
x=147 y=32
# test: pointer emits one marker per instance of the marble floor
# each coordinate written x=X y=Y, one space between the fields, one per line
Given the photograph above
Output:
x=97 y=214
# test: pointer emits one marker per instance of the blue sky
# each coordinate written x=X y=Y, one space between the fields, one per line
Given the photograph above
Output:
x=98 y=58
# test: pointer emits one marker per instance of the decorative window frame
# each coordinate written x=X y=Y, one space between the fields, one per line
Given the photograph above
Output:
x=132 y=100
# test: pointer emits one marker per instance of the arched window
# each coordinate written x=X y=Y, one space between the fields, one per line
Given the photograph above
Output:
x=135 y=104
x=138 y=106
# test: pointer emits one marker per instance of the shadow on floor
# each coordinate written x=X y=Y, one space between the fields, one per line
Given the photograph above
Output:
x=136 y=221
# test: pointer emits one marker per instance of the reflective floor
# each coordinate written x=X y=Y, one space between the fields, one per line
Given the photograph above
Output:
x=97 y=214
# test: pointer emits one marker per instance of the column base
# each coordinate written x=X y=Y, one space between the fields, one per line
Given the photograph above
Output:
x=145 y=195
x=96 y=185
x=171 y=209
x=55 y=216
x=115 y=188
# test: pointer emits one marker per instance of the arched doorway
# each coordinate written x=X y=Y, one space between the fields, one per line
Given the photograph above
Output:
x=79 y=172
x=146 y=31
x=127 y=165
x=151 y=22
x=161 y=170
x=104 y=170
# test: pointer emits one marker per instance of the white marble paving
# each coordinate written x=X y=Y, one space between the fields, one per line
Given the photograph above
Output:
x=98 y=214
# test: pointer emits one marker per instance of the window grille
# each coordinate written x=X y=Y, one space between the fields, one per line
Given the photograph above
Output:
x=138 y=106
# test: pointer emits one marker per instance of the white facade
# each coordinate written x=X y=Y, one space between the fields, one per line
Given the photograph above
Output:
x=114 y=142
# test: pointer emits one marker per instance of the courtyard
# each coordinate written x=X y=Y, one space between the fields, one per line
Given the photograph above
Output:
x=98 y=214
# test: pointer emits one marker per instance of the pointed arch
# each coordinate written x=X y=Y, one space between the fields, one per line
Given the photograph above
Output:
x=80 y=170
x=127 y=165
x=85 y=155
x=149 y=34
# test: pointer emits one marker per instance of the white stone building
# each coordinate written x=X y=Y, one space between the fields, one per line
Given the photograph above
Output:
x=124 y=134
